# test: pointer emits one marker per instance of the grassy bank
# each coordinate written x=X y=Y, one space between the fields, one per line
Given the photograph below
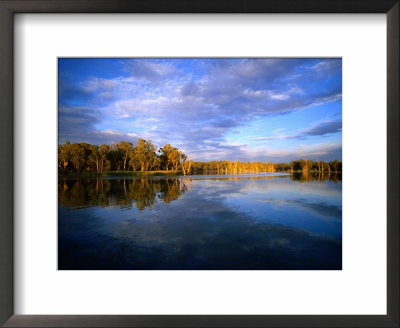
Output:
x=119 y=173
x=74 y=175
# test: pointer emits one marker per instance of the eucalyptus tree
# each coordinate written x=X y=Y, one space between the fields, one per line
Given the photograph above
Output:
x=104 y=152
x=78 y=158
x=94 y=157
x=64 y=155
x=126 y=148
x=175 y=157
x=186 y=164
x=165 y=156
x=145 y=153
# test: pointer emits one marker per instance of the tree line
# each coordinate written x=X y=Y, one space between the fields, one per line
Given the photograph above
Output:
x=121 y=156
x=145 y=156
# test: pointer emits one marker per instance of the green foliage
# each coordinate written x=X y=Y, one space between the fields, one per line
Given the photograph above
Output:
x=145 y=153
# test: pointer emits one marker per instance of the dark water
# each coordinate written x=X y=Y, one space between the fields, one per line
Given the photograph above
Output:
x=201 y=222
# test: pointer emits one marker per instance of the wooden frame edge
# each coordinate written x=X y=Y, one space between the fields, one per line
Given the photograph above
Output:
x=7 y=10
x=6 y=164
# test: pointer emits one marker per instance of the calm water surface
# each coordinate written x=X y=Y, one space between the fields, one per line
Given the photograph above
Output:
x=268 y=222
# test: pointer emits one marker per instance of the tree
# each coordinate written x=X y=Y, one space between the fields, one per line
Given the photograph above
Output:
x=174 y=157
x=185 y=164
x=104 y=151
x=95 y=156
x=295 y=166
x=165 y=154
x=126 y=149
x=145 y=153
x=334 y=165
x=133 y=161
x=156 y=163
x=64 y=155
x=77 y=156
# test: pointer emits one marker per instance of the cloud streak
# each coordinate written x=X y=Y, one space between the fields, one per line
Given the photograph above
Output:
x=320 y=130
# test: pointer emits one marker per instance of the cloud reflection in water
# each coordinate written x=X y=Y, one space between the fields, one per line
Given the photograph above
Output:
x=200 y=223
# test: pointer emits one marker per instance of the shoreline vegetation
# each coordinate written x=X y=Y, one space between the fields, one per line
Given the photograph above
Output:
x=147 y=160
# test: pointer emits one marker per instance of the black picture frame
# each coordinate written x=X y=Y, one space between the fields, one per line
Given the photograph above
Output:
x=10 y=7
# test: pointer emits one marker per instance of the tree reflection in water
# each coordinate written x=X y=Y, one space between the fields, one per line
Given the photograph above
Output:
x=309 y=176
x=143 y=193
x=200 y=222
x=126 y=193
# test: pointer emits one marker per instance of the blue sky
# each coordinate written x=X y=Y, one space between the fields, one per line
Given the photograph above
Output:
x=254 y=109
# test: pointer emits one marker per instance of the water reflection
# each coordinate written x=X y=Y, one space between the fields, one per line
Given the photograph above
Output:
x=316 y=176
x=76 y=194
x=230 y=222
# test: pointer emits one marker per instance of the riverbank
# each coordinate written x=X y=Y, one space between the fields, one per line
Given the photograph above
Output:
x=179 y=172
x=119 y=173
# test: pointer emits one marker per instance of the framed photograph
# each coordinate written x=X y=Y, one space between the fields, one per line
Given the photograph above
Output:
x=203 y=164
x=186 y=153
